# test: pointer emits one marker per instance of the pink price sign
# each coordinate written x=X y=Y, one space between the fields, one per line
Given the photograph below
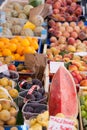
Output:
x=57 y=123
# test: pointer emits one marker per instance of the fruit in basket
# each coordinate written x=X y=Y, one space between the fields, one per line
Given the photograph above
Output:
x=13 y=93
x=14 y=128
x=17 y=6
x=6 y=32
x=27 y=32
x=11 y=121
x=37 y=20
x=5 y=115
x=6 y=105
x=4 y=81
x=22 y=16
x=14 y=13
x=16 y=29
x=13 y=111
x=27 y=9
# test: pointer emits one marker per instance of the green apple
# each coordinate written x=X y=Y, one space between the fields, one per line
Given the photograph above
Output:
x=83 y=113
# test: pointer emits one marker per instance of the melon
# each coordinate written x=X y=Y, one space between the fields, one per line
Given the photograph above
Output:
x=63 y=95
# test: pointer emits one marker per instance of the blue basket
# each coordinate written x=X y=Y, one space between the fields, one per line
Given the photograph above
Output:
x=22 y=127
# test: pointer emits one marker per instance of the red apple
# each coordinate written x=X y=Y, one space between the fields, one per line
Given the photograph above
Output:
x=12 y=67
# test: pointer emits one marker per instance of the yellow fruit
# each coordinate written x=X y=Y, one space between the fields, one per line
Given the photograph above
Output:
x=10 y=83
x=22 y=58
x=13 y=93
x=35 y=45
x=6 y=105
x=4 y=81
x=4 y=115
x=20 y=50
x=17 y=57
x=71 y=48
x=13 y=57
x=29 y=50
x=11 y=121
x=13 y=111
x=14 y=128
x=18 y=38
x=8 y=87
x=25 y=42
x=29 y=25
x=1 y=44
x=6 y=52
x=14 y=40
x=13 y=47
x=32 y=122
x=0 y=107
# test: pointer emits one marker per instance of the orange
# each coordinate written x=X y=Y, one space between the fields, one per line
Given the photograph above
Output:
x=13 y=57
x=35 y=45
x=14 y=40
x=18 y=38
x=29 y=39
x=13 y=47
x=22 y=58
x=20 y=50
x=0 y=53
x=5 y=40
x=1 y=44
x=6 y=52
x=17 y=57
x=29 y=50
x=25 y=42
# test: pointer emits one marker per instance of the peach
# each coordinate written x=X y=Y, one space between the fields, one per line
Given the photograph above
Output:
x=79 y=78
x=82 y=68
x=73 y=5
x=83 y=82
x=71 y=48
x=78 y=11
x=82 y=36
x=78 y=64
x=53 y=39
x=56 y=5
x=69 y=2
x=61 y=18
x=69 y=29
x=71 y=40
x=66 y=59
x=62 y=40
x=66 y=34
x=58 y=58
x=73 y=24
x=52 y=23
x=54 y=51
x=77 y=29
x=53 y=44
x=62 y=29
x=74 y=34
x=69 y=18
x=58 y=24
x=80 y=24
x=59 y=34
x=65 y=24
x=73 y=67
x=85 y=29
x=55 y=11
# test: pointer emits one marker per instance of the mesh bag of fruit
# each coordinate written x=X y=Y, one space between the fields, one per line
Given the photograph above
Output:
x=8 y=112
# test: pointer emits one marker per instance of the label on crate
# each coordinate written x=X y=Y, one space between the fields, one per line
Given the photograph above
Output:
x=57 y=123
x=54 y=66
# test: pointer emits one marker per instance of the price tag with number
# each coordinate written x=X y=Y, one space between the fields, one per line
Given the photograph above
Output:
x=54 y=66
x=57 y=123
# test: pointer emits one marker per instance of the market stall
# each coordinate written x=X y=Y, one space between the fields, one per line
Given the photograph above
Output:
x=43 y=65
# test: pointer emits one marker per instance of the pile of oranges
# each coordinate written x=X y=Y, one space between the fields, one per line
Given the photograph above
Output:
x=17 y=46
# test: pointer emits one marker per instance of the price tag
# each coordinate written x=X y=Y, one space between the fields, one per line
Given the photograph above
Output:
x=54 y=66
x=57 y=123
x=80 y=53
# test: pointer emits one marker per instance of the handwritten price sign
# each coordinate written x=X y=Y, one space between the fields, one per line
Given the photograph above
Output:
x=57 y=123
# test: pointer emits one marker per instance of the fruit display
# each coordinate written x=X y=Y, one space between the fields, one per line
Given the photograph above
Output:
x=33 y=109
x=17 y=9
x=83 y=106
x=63 y=83
x=8 y=113
x=65 y=10
x=39 y=122
x=71 y=37
x=17 y=46
x=9 y=86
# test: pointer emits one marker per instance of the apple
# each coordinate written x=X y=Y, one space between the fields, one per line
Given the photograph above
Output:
x=71 y=40
x=12 y=67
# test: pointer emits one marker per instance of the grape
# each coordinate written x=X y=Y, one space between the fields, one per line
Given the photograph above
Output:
x=37 y=82
x=41 y=90
x=38 y=95
x=29 y=109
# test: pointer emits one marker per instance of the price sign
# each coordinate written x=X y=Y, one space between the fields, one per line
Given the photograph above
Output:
x=54 y=66
x=57 y=123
